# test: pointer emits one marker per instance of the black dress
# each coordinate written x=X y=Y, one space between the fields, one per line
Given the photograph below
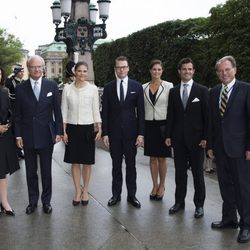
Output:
x=8 y=158
x=154 y=136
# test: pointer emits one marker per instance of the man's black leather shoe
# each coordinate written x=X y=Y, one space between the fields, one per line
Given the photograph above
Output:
x=134 y=202
x=31 y=209
x=47 y=209
x=199 y=212
x=222 y=224
x=244 y=236
x=114 y=200
x=176 y=208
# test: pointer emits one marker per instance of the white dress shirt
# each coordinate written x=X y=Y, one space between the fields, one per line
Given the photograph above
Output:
x=39 y=83
x=80 y=106
x=229 y=89
x=125 y=86
x=189 y=86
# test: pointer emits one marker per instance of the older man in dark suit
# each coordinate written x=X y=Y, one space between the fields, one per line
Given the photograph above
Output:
x=187 y=123
x=123 y=121
x=38 y=125
x=229 y=142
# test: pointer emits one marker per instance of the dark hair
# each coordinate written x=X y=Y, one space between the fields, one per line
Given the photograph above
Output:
x=121 y=58
x=80 y=64
x=3 y=77
x=226 y=58
x=185 y=61
x=154 y=62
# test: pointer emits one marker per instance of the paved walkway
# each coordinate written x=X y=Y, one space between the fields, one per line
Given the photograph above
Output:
x=98 y=226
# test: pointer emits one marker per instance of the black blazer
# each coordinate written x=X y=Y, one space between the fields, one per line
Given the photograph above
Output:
x=188 y=126
x=5 y=112
x=37 y=122
x=233 y=130
x=128 y=117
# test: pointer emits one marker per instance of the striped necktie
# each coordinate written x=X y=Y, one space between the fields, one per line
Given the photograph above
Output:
x=36 y=90
x=184 y=95
x=223 y=100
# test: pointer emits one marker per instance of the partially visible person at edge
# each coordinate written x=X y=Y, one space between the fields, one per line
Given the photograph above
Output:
x=69 y=74
x=229 y=143
x=123 y=129
x=38 y=126
x=187 y=128
x=156 y=102
x=8 y=159
x=11 y=83
x=82 y=127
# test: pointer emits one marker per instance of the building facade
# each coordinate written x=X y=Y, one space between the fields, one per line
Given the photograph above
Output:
x=53 y=55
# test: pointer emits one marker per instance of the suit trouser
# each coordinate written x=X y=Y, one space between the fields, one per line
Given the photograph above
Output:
x=183 y=157
x=234 y=183
x=118 y=150
x=45 y=155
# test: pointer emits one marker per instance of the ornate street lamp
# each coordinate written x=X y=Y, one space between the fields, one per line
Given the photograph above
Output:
x=79 y=34
x=79 y=30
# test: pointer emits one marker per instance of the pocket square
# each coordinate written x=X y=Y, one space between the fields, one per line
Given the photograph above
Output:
x=196 y=99
x=49 y=94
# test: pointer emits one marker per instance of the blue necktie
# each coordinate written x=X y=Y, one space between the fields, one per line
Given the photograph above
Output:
x=121 y=92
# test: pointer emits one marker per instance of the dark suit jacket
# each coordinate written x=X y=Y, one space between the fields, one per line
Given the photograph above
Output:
x=233 y=130
x=5 y=113
x=129 y=116
x=188 y=126
x=37 y=122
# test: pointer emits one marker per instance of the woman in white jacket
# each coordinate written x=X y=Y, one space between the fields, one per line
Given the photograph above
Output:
x=156 y=101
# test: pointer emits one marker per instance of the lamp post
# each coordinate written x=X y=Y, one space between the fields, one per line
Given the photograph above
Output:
x=80 y=31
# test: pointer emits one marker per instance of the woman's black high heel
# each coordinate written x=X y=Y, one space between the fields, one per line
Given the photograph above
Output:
x=7 y=212
x=159 y=197
x=152 y=196
x=75 y=203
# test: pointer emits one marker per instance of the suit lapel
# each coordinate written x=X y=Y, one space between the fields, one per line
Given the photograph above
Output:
x=232 y=96
x=30 y=91
x=217 y=100
x=114 y=90
x=159 y=92
x=191 y=95
x=178 y=95
x=146 y=93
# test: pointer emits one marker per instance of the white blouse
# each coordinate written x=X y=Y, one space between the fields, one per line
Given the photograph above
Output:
x=80 y=105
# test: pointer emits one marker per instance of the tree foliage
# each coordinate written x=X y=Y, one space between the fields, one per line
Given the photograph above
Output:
x=10 y=50
x=226 y=31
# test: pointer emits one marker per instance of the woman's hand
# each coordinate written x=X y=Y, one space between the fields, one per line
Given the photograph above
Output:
x=65 y=139
x=98 y=135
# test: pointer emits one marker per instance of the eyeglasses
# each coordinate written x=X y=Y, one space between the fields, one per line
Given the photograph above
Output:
x=35 y=67
x=121 y=67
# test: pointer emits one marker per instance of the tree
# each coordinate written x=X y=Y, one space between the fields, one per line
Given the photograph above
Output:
x=10 y=50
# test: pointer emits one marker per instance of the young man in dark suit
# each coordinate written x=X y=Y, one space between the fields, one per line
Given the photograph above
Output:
x=229 y=143
x=38 y=125
x=187 y=123
x=123 y=122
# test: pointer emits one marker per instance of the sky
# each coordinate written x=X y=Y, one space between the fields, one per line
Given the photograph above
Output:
x=31 y=20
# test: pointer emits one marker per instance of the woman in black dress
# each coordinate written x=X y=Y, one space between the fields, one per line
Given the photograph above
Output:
x=8 y=158
x=156 y=102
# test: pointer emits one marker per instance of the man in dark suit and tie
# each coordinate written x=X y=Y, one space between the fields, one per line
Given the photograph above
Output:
x=229 y=143
x=187 y=123
x=123 y=122
x=38 y=125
